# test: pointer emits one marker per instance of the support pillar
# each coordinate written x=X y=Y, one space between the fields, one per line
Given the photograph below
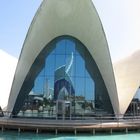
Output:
x=56 y=132
x=2 y=129
x=111 y=131
x=75 y=132
x=37 y=131
x=93 y=131
x=19 y=130
x=126 y=130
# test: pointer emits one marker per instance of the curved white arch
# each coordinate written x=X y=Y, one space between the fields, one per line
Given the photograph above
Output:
x=127 y=79
x=77 y=18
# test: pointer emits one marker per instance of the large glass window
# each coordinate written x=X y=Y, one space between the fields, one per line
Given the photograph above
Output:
x=64 y=88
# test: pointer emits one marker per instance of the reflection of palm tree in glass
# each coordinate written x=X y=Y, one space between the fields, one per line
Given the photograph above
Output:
x=63 y=84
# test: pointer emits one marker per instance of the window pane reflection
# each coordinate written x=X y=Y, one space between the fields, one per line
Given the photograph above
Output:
x=70 y=47
x=80 y=67
x=50 y=65
x=61 y=47
x=64 y=87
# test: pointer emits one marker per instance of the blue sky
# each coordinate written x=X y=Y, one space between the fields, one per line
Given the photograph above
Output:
x=120 y=20
x=16 y=18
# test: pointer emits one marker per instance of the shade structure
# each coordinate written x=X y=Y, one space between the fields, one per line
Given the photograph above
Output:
x=77 y=19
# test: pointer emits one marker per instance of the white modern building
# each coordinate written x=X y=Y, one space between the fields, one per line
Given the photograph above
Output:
x=65 y=63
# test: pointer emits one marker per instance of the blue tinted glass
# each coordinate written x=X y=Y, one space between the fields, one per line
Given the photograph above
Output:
x=89 y=88
x=61 y=47
x=70 y=47
x=80 y=51
x=60 y=61
x=73 y=80
x=49 y=87
x=64 y=77
x=137 y=95
x=70 y=64
x=39 y=85
x=42 y=73
x=50 y=65
x=80 y=87
x=50 y=82
x=80 y=67
x=87 y=75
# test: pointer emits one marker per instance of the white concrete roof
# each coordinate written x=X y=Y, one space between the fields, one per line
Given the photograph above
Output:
x=76 y=18
x=127 y=74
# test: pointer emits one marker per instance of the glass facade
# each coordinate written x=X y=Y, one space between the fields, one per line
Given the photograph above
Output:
x=65 y=85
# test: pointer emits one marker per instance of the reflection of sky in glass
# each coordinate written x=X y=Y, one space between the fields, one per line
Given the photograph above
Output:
x=137 y=96
x=50 y=65
x=70 y=47
x=61 y=47
x=39 y=85
x=70 y=63
x=80 y=66
x=60 y=61
x=65 y=54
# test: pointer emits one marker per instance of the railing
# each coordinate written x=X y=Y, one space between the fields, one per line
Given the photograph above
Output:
x=108 y=122
x=96 y=118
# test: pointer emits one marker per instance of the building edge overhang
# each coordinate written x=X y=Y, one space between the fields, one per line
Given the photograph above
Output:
x=118 y=112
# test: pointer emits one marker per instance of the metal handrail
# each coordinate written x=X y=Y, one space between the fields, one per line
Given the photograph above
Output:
x=102 y=118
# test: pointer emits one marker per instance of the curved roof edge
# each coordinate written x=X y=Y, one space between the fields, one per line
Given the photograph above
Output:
x=127 y=79
x=80 y=21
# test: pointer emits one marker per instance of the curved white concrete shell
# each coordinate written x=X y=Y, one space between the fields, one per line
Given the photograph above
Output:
x=76 y=18
x=127 y=79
